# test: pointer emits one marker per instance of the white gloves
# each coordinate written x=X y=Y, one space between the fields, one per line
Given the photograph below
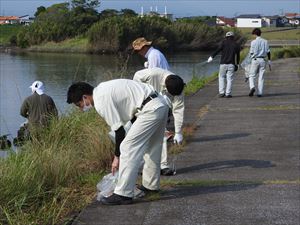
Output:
x=146 y=64
x=209 y=59
x=178 y=138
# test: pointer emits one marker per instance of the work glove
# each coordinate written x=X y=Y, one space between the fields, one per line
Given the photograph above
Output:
x=209 y=59
x=270 y=64
x=146 y=64
x=178 y=138
x=236 y=67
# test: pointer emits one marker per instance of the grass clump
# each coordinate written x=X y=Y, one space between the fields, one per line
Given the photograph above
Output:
x=54 y=174
x=197 y=83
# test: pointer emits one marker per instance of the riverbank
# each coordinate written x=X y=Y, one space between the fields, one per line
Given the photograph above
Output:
x=239 y=167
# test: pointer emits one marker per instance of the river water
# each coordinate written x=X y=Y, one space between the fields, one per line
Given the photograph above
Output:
x=58 y=71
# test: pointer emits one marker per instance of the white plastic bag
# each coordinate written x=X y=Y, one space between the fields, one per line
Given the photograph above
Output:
x=107 y=185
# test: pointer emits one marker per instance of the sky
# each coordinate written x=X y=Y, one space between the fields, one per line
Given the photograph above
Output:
x=179 y=8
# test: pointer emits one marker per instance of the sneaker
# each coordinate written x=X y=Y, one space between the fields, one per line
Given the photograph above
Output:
x=251 y=92
x=259 y=96
x=167 y=172
x=115 y=199
x=228 y=96
x=221 y=95
x=146 y=190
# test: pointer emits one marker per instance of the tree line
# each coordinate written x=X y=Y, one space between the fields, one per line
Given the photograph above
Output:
x=113 y=31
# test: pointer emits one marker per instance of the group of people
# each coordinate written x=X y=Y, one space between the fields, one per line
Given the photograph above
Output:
x=145 y=103
x=230 y=60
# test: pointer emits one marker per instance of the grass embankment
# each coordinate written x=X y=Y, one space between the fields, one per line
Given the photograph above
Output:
x=54 y=176
x=73 y=45
x=7 y=32
x=274 y=33
x=278 y=53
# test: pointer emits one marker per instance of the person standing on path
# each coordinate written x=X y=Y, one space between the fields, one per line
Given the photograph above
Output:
x=155 y=60
x=259 y=50
x=171 y=87
x=118 y=102
x=230 y=60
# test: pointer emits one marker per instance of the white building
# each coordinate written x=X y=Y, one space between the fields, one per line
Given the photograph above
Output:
x=251 y=20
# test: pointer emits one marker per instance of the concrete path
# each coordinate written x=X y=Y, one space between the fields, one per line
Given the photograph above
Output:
x=240 y=167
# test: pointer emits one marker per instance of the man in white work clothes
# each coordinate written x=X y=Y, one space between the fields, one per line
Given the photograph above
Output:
x=259 y=50
x=119 y=101
x=154 y=56
x=171 y=86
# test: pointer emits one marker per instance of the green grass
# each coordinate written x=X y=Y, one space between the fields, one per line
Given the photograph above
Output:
x=55 y=174
x=78 y=45
x=278 y=53
x=274 y=33
x=197 y=83
x=6 y=32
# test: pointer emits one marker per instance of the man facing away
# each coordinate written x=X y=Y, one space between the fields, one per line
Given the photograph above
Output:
x=155 y=57
x=118 y=102
x=171 y=86
x=38 y=108
x=259 y=50
x=230 y=60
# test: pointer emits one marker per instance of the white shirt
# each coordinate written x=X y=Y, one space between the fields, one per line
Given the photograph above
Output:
x=157 y=77
x=259 y=48
x=117 y=101
x=156 y=59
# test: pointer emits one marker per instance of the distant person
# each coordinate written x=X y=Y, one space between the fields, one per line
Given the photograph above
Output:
x=38 y=108
x=118 y=102
x=171 y=86
x=230 y=60
x=155 y=57
x=259 y=50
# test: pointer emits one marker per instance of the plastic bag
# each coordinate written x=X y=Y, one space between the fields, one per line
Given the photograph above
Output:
x=246 y=65
x=107 y=185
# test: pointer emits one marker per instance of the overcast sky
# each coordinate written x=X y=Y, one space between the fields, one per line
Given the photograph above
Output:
x=179 y=8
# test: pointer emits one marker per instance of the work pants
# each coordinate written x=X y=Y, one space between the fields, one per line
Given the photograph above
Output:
x=258 y=66
x=144 y=139
x=226 y=72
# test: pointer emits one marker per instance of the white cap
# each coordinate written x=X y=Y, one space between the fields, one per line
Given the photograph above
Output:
x=229 y=34
x=38 y=87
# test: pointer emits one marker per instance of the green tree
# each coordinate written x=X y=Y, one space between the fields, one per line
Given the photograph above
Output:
x=93 y=4
x=128 y=12
x=39 y=10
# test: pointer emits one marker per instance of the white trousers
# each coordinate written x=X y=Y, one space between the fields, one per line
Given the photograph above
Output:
x=226 y=72
x=164 y=155
x=144 y=139
x=258 y=66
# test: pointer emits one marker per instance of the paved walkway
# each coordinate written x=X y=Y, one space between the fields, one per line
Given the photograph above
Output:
x=243 y=161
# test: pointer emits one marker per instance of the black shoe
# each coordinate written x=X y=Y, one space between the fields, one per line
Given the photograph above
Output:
x=251 y=92
x=115 y=199
x=246 y=79
x=167 y=172
x=221 y=95
x=146 y=190
x=228 y=96
x=259 y=96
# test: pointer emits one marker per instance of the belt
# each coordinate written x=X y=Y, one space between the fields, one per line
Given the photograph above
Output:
x=148 y=99
x=259 y=57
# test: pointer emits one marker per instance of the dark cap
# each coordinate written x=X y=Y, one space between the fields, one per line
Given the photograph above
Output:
x=174 y=84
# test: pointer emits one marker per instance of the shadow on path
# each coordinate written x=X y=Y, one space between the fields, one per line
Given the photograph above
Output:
x=220 y=137
x=228 y=165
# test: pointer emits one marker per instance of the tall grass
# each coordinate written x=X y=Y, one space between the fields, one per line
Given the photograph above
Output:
x=278 y=53
x=54 y=174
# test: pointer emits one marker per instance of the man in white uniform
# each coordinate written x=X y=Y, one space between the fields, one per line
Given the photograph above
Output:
x=119 y=101
x=170 y=85
x=259 y=50
x=155 y=57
